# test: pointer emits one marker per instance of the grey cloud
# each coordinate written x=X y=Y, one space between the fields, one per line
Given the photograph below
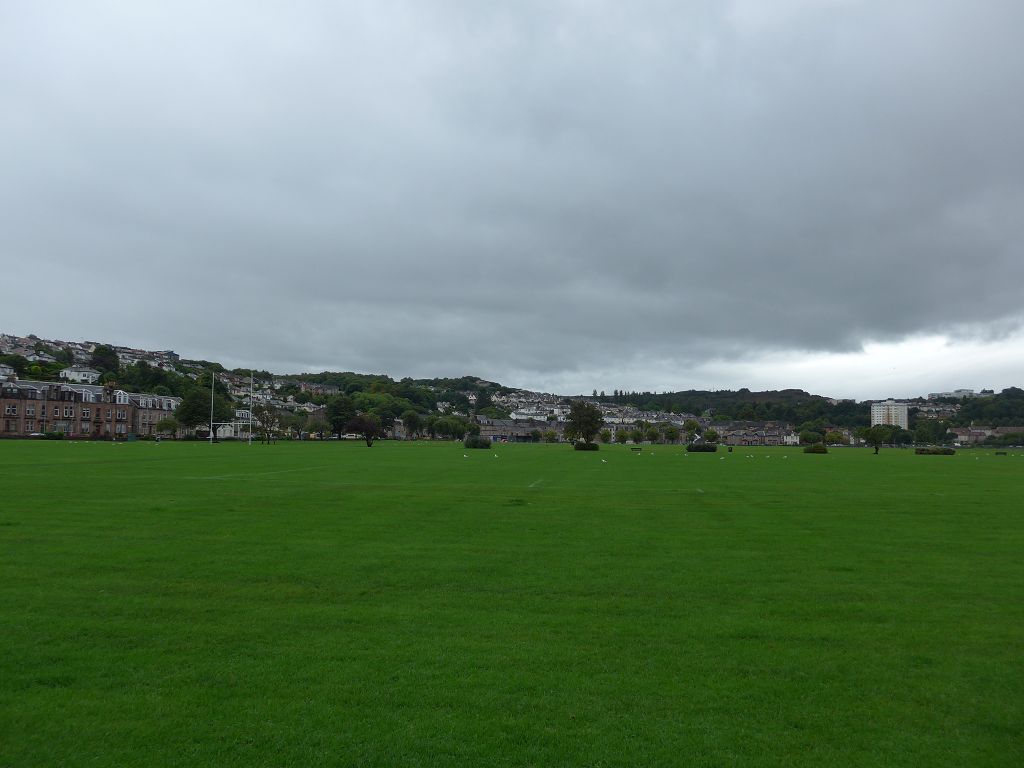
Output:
x=543 y=189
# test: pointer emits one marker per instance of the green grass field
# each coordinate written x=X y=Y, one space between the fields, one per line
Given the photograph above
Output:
x=333 y=605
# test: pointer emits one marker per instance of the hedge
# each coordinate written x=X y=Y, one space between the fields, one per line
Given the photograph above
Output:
x=702 y=447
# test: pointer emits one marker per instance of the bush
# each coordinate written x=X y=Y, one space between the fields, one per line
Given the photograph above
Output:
x=585 y=447
x=54 y=435
x=702 y=448
x=475 y=441
x=934 y=450
x=816 y=448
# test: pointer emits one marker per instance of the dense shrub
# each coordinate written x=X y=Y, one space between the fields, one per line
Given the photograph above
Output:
x=475 y=441
x=54 y=435
x=816 y=448
x=585 y=447
x=934 y=450
x=702 y=448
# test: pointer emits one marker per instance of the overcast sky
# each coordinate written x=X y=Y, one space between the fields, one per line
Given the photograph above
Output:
x=825 y=194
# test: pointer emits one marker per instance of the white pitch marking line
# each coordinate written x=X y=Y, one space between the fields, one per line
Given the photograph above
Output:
x=535 y=483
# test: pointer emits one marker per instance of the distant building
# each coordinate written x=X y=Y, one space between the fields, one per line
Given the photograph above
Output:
x=890 y=412
x=80 y=374
x=961 y=393
x=977 y=434
x=79 y=410
x=746 y=433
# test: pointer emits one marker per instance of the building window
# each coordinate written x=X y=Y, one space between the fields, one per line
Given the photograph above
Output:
x=69 y=413
x=56 y=412
x=30 y=426
x=30 y=410
x=10 y=410
x=86 y=413
x=122 y=414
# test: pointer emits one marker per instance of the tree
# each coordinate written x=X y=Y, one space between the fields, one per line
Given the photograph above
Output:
x=691 y=427
x=931 y=431
x=17 y=362
x=452 y=427
x=383 y=405
x=653 y=434
x=605 y=436
x=583 y=422
x=710 y=435
x=411 y=422
x=672 y=433
x=166 y=426
x=194 y=409
x=483 y=399
x=876 y=436
x=267 y=420
x=104 y=359
x=339 y=412
x=622 y=436
x=834 y=438
x=550 y=436
x=367 y=425
x=901 y=436
x=809 y=437
x=317 y=423
x=295 y=423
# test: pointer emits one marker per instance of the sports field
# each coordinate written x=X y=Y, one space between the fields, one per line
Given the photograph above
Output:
x=413 y=604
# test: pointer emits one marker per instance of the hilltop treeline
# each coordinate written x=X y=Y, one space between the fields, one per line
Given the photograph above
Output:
x=1005 y=409
x=794 y=406
x=421 y=395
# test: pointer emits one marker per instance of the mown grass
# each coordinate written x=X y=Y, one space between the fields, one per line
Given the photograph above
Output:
x=329 y=604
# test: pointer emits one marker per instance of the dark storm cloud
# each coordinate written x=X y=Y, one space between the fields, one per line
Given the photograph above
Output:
x=537 y=191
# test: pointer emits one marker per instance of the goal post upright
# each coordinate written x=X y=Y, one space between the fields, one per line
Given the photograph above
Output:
x=213 y=378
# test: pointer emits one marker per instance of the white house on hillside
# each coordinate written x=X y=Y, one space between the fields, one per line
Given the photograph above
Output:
x=80 y=374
